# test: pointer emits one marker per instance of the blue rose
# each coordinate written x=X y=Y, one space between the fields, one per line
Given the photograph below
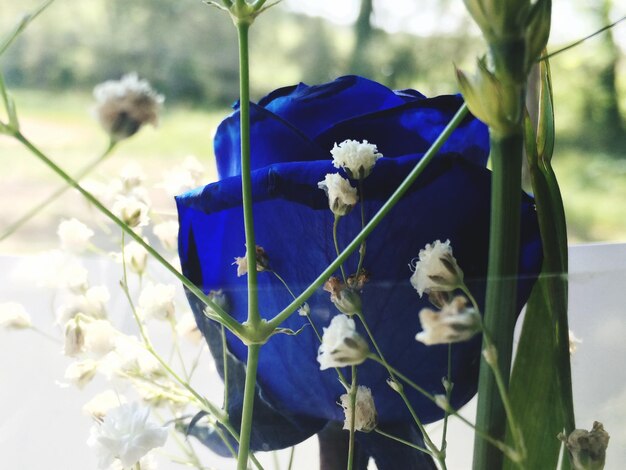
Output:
x=293 y=130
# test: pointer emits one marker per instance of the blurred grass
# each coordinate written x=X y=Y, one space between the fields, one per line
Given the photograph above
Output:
x=593 y=184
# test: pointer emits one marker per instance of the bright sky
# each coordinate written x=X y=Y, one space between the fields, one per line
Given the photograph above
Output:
x=424 y=17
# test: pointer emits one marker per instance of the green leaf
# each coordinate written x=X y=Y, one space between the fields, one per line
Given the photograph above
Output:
x=541 y=388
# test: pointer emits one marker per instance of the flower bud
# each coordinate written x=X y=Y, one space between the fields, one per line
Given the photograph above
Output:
x=356 y=158
x=13 y=316
x=436 y=270
x=537 y=30
x=74 y=338
x=587 y=449
x=346 y=299
x=341 y=196
x=365 y=415
x=131 y=211
x=454 y=323
x=341 y=344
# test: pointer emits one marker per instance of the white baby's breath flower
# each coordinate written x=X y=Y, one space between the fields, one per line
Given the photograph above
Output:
x=130 y=356
x=242 y=265
x=356 y=158
x=132 y=211
x=131 y=176
x=91 y=303
x=365 y=415
x=262 y=262
x=305 y=310
x=157 y=301
x=341 y=344
x=126 y=435
x=74 y=235
x=167 y=233
x=436 y=270
x=102 y=403
x=123 y=106
x=573 y=342
x=136 y=257
x=74 y=343
x=341 y=196
x=453 y=323
x=147 y=462
x=82 y=372
x=187 y=327
x=13 y=316
x=184 y=177
x=587 y=449
x=100 y=338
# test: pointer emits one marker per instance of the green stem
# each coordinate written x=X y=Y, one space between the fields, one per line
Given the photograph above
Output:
x=501 y=297
x=248 y=406
x=353 y=391
x=402 y=441
x=362 y=247
x=373 y=223
x=55 y=195
x=221 y=315
x=225 y=365
x=336 y=242
x=444 y=443
x=291 y=457
x=254 y=317
x=21 y=26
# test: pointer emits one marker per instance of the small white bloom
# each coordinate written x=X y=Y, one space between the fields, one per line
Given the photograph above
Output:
x=131 y=357
x=132 y=176
x=442 y=402
x=365 y=415
x=453 y=323
x=74 y=235
x=437 y=269
x=123 y=106
x=356 y=158
x=341 y=196
x=167 y=233
x=587 y=449
x=131 y=210
x=100 y=338
x=262 y=262
x=186 y=327
x=82 y=372
x=341 y=344
x=92 y=304
x=74 y=338
x=125 y=434
x=102 y=403
x=13 y=316
x=305 y=310
x=136 y=257
x=242 y=265
x=573 y=342
x=157 y=301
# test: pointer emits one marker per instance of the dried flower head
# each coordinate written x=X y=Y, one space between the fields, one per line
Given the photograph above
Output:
x=356 y=158
x=126 y=435
x=341 y=344
x=365 y=416
x=74 y=235
x=341 y=196
x=346 y=299
x=123 y=106
x=436 y=270
x=13 y=316
x=587 y=449
x=455 y=322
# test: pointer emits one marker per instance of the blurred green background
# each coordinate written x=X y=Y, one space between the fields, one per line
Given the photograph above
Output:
x=187 y=50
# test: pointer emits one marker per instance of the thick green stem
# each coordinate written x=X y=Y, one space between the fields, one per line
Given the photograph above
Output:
x=55 y=195
x=248 y=406
x=221 y=316
x=373 y=223
x=501 y=299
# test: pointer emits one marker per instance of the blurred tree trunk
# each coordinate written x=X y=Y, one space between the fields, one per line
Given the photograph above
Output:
x=363 y=32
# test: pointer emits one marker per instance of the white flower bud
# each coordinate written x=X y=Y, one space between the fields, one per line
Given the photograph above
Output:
x=132 y=211
x=436 y=270
x=305 y=310
x=587 y=449
x=442 y=402
x=365 y=415
x=136 y=257
x=74 y=338
x=341 y=196
x=123 y=106
x=74 y=235
x=341 y=344
x=81 y=373
x=356 y=158
x=167 y=233
x=454 y=323
x=13 y=316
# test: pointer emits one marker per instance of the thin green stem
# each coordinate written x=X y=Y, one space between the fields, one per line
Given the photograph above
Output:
x=55 y=195
x=402 y=441
x=336 y=242
x=219 y=316
x=248 y=406
x=291 y=458
x=500 y=305
x=373 y=223
x=352 y=404
x=363 y=243
x=224 y=365
x=254 y=317
x=448 y=389
x=42 y=333
x=22 y=25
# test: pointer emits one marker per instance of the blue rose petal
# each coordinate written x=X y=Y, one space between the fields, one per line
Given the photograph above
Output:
x=450 y=200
